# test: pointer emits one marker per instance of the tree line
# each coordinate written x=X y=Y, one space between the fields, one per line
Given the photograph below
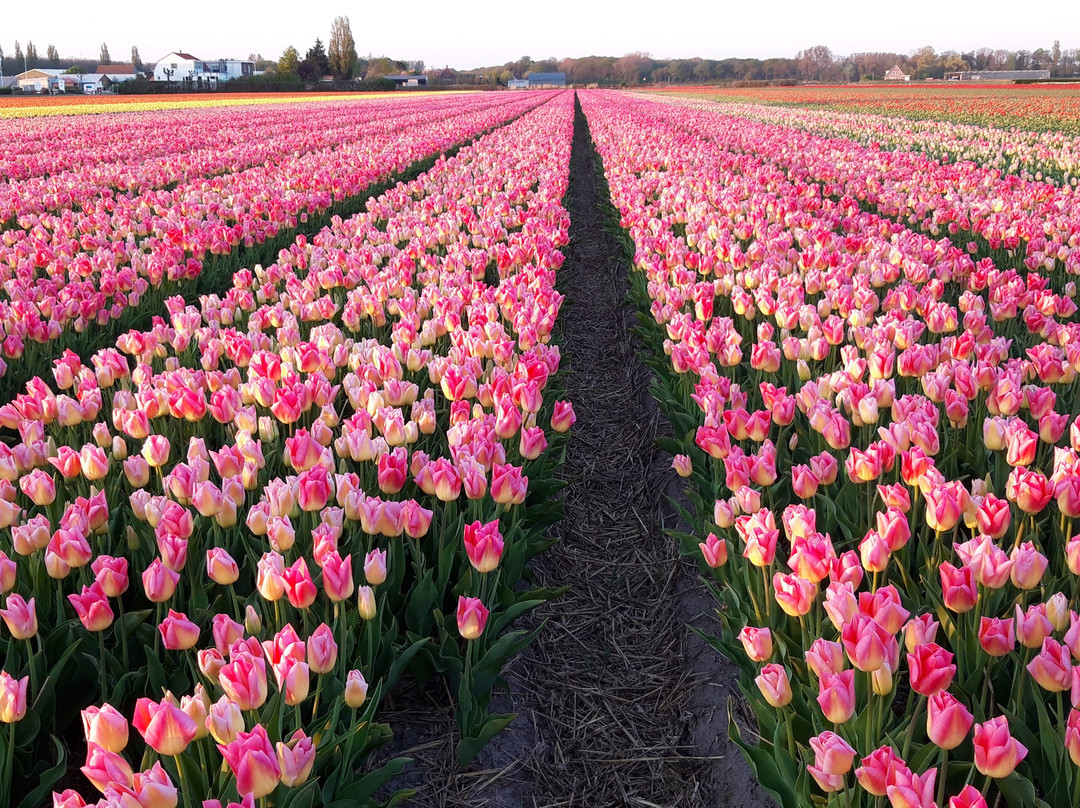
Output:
x=816 y=64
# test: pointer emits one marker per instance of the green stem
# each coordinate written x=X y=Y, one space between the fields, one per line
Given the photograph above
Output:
x=101 y=665
x=9 y=762
x=183 y=784
x=943 y=777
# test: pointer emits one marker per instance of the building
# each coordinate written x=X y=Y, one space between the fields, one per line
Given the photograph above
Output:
x=518 y=84
x=998 y=75
x=183 y=67
x=94 y=83
x=446 y=77
x=546 y=80
x=408 y=81
x=36 y=80
x=894 y=73
x=117 y=72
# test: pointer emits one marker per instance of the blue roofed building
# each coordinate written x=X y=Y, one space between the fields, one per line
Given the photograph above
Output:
x=546 y=80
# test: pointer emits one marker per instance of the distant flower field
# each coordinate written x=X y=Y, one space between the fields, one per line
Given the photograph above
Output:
x=77 y=104
x=1033 y=107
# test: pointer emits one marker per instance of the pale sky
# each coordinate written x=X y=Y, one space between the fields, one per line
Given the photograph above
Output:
x=484 y=32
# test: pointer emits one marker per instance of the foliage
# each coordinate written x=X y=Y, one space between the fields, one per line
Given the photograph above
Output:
x=342 y=54
x=289 y=63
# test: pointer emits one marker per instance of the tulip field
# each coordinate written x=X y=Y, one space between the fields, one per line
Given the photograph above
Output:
x=284 y=425
x=868 y=358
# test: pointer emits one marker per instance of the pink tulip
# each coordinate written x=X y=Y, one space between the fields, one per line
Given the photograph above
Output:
x=12 y=697
x=774 y=685
x=253 y=761
x=997 y=636
x=296 y=757
x=92 y=608
x=322 y=650
x=483 y=545
x=177 y=632
x=997 y=753
x=104 y=768
x=163 y=725
x=948 y=721
x=356 y=689
x=836 y=695
x=879 y=769
x=20 y=617
x=757 y=642
x=472 y=617
x=244 y=681
x=931 y=669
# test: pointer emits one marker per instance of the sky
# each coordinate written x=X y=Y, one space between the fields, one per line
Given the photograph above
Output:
x=485 y=32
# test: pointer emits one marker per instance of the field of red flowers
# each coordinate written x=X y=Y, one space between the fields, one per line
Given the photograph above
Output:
x=1031 y=107
x=286 y=433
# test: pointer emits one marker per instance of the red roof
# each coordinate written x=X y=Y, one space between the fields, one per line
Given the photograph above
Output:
x=117 y=69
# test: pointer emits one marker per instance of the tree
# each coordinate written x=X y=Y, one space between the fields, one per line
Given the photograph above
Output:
x=31 y=55
x=1055 y=53
x=53 y=55
x=135 y=58
x=289 y=63
x=308 y=70
x=342 y=55
x=415 y=67
x=317 y=56
x=19 y=56
x=381 y=66
x=103 y=57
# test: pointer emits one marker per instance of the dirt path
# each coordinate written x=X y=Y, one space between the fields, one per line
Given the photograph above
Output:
x=616 y=705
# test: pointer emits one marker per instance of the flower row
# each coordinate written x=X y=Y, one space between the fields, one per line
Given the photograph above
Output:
x=274 y=503
x=875 y=451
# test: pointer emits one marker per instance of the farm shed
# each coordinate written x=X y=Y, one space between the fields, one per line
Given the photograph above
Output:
x=408 y=81
x=997 y=75
x=547 y=80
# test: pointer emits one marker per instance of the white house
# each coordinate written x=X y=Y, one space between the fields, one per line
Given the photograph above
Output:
x=179 y=66
x=896 y=74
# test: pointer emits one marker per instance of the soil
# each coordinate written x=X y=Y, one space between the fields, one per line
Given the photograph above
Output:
x=618 y=703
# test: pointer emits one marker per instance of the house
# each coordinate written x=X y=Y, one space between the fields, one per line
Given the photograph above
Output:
x=546 y=80
x=446 y=76
x=998 y=75
x=894 y=73
x=517 y=84
x=117 y=72
x=94 y=83
x=408 y=81
x=36 y=80
x=183 y=67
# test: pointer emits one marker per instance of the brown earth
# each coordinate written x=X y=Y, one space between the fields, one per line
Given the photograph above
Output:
x=618 y=703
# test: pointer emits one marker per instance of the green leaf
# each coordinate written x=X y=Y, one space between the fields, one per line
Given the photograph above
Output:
x=367 y=785
x=1019 y=792
x=470 y=747
x=764 y=768
x=48 y=779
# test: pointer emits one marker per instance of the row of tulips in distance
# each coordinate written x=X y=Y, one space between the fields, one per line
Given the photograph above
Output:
x=1027 y=108
x=331 y=474
x=25 y=108
x=53 y=165
x=1035 y=155
x=1026 y=224
x=63 y=272
x=883 y=486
